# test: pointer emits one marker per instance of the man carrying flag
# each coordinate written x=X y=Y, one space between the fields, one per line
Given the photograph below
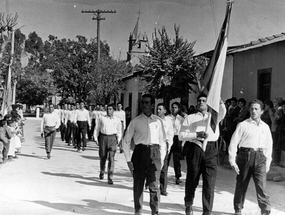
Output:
x=201 y=130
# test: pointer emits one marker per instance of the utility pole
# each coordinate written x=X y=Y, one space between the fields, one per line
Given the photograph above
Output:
x=98 y=17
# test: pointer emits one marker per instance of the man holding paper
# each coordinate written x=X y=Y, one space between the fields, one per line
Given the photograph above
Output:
x=195 y=132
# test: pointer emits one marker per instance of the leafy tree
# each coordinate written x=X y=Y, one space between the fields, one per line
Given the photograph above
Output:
x=170 y=69
x=108 y=79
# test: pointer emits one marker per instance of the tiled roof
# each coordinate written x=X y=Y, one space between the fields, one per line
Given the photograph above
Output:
x=259 y=43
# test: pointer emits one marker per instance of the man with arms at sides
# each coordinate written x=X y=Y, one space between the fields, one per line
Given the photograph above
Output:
x=149 y=137
x=176 y=148
x=108 y=133
x=120 y=113
x=49 y=124
x=254 y=140
x=83 y=120
x=194 y=131
x=168 y=128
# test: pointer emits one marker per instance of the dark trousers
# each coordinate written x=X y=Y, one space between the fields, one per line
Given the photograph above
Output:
x=5 y=150
x=82 y=131
x=74 y=136
x=163 y=174
x=205 y=163
x=69 y=126
x=49 y=138
x=251 y=164
x=107 y=150
x=93 y=124
x=176 y=152
x=147 y=165
x=62 y=129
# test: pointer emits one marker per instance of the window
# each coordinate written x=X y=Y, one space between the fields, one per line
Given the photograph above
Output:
x=264 y=84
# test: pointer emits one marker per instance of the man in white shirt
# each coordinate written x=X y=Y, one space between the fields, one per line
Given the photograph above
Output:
x=83 y=120
x=148 y=135
x=70 y=125
x=194 y=131
x=176 y=149
x=120 y=113
x=254 y=140
x=108 y=133
x=49 y=124
x=168 y=128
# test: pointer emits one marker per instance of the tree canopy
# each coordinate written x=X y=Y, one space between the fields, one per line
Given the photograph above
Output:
x=69 y=68
x=171 y=69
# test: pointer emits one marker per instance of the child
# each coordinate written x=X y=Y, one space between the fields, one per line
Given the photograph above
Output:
x=5 y=135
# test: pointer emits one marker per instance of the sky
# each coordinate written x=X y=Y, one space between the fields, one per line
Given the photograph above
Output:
x=199 y=20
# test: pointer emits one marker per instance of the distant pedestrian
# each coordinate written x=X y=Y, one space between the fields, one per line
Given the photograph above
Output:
x=168 y=128
x=148 y=135
x=49 y=124
x=120 y=113
x=176 y=148
x=108 y=133
x=254 y=141
x=83 y=122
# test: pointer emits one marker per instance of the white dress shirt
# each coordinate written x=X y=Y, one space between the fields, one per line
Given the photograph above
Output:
x=108 y=125
x=51 y=120
x=197 y=122
x=122 y=116
x=177 y=122
x=249 y=134
x=71 y=116
x=144 y=130
x=83 y=115
x=168 y=128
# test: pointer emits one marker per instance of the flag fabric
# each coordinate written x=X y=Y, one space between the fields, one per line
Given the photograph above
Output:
x=213 y=76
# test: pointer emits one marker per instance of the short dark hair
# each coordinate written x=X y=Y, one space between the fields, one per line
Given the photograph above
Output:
x=269 y=103
x=147 y=95
x=119 y=103
x=234 y=99
x=242 y=100
x=3 y=122
x=257 y=101
x=162 y=104
x=177 y=104
x=111 y=105
x=201 y=95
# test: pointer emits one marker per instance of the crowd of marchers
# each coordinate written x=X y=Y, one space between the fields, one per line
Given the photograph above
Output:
x=149 y=141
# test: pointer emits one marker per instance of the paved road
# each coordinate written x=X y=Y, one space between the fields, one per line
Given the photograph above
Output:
x=68 y=184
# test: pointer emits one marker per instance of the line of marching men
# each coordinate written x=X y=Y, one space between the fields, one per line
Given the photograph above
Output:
x=154 y=138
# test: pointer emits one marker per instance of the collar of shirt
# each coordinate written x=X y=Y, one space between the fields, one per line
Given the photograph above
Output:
x=152 y=116
x=254 y=122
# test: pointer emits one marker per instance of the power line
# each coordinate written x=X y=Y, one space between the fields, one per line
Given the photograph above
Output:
x=98 y=17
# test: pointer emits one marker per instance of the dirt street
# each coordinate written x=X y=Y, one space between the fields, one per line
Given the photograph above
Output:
x=68 y=184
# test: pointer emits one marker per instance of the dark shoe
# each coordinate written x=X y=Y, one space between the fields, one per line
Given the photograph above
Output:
x=121 y=151
x=178 y=181
x=83 y=148
x=110 y=181
x=48 y=155
x=101 y=176
x=265 y=213
x=78 y=150
x=188 y=210
x=237 y=212
x=164 y=193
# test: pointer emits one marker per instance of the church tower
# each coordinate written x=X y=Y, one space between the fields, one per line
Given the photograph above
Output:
x=137 y=44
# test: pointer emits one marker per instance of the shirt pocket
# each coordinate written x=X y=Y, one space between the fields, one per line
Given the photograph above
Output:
x=153 y=126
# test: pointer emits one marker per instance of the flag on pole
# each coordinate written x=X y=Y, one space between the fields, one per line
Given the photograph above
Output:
x=213 y=76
